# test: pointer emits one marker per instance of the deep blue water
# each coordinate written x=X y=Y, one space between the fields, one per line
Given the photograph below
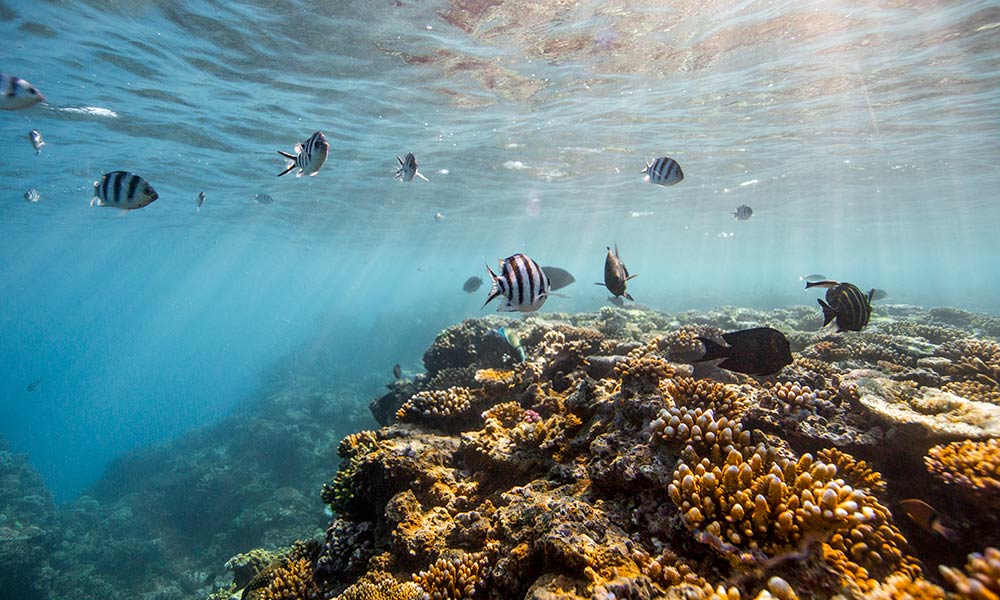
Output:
x=865 y=137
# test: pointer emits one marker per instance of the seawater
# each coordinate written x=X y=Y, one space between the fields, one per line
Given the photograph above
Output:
x=864 y=137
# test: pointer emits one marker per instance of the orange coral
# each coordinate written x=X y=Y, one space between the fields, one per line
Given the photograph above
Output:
x=452 y=578
x=981 y=578
x=972 y=466
x=292 y=580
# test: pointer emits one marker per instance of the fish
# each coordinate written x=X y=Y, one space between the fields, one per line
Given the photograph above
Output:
x=928 y=518
x=742 y=212
x=812 y=277
x=262 y=198
x=32 y=195
x=121 y=189
x=397 y=371
x=16 y=93
x=514 y=340
x=878 y=294
x=309 y=155
x=33 y=385
x=408 y=169
x=522 y=283
x=558 y=278
x=851 y=307
x=35 y=137
x=617 y=301
x=616 y=274
x=472 y=284
x=759 y=351
x=663 y=171
x=200 y=200
x=438 y=217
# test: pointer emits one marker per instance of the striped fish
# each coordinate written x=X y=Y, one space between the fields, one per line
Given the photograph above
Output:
x=200 y=200
x=522 y=283
x=742 y=212
x=124 y=190
x=262 y=198
x=17 y=93
x=663 y=171
x=35 y=137
x=309 y=155
x=616 y=274
x=408 y=168
x=851 y=307
x=32 y=195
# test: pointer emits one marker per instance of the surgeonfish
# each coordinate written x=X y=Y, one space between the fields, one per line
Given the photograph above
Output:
x=309 y=155
x=35 y=137
x=408 y=169
x=742 y=212
x=16 y=93
x=121 y=189
x=200 y=200
x=759 y=351
x=397 y=371
x=616 y=274
x=472 y=284
x=928 y=518
x=32 y=195
x=558 y=278
x=514 y=340
x=663 y=171
x=851 y=307
x=878 y=294
x=522 y=283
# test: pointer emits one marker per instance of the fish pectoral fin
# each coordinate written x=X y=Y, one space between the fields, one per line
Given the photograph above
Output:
x=629 y=296
x=599 y=283
x=288 y=170
x=421 y=176
x=632 y=276
x=287 y=155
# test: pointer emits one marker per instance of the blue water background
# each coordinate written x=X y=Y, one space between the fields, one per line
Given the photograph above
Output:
x=865 y=138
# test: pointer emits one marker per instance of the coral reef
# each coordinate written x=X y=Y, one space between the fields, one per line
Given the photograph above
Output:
x=971 y=466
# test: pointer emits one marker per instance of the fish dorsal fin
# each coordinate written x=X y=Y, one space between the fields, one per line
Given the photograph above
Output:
x=871 y=294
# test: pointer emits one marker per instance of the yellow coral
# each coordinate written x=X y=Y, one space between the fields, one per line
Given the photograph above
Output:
x=981 y=578
x=292 y=580
x=452 y=578
x=972 y=466
x=379 y=585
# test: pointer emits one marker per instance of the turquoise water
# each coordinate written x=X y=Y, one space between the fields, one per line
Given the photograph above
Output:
x=865 y=138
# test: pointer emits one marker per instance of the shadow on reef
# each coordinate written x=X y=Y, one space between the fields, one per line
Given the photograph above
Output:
x=605 y=467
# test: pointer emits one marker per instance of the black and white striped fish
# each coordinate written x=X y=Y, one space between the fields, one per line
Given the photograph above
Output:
x=846 y=303
x=663 y=171
x=309 y=155
x=522 y=283
x=35 y=137
x=32 y=195
x=262 y=198
x=121 y=189
x=408 y=168
x=17 y=93
x=742 y=212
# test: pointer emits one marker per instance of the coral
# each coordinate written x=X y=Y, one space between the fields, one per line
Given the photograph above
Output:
x=641 y=371
x=683 y=343
x=452 y=577
x=974 y=390
x=436 y=407
x=856 y=473
x=379 y=585
x=722 y=399
x=291 y=580
x=935 y=334
x=472 y=343
x=973 y=467
x=340 y=493
x=901 y=585
x=981 y=578
x=975 y=360
x=246 y=565
x=794 y=398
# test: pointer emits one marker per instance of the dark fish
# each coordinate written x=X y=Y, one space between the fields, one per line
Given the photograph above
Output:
x=928 y=518
x=397 y=371
x=742 y=212
x=472 y=284
x=262 y=198
x=558 y=278
x=121 y=189
x=846 y=303
x=616 y=274
x=200 y=200
x=309 y=155
x=17 y=93
x=33 y=385
x=408 y=168
x=663 y=171
x=759 y=351
x=878 y=294
x=521 y=282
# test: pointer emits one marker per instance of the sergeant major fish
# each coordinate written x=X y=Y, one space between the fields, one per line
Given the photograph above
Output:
x=663 y=171
x=408 y=168
x=262 y=198
x=35 y=137
x=32 y=195
x=616 y=274
x=851 y=307
x=16 y=93
x=522 y=283
x=760 y=351
x=742 y=212
x=309 y=155
x=121 y=189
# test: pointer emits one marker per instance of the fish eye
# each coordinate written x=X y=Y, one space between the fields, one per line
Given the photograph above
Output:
x=32 y=90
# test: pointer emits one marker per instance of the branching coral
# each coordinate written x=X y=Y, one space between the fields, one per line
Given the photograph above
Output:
x=379 y=585
x=981 y=578
x=291 y=580
x=436 y=406
x=974 y=467
x=452 y=577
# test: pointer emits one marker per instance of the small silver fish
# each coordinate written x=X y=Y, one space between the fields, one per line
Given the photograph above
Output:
x=17 y=93
x=742 y=212
x=663 y=171
x=32 y=195
x=408 y=169
x=262 y=198
x=35 y=137
x=200 y=200
x=438 y=217
x=121 y=189
x=309 y=156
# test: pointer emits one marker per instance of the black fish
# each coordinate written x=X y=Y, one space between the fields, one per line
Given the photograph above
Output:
x=33 y=385
x=846 y=303
x=397 y=371
x=742 y=212
x=616 y=274
x=759 y=351
x=472 y=284
x=558 y=278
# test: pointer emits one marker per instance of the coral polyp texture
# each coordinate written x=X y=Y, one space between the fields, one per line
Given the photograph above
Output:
x=604 y=464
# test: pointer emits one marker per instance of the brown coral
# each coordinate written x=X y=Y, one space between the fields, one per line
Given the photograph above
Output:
x=291 y=580
x=452 y=577
x=436 y=406
x=379 y=585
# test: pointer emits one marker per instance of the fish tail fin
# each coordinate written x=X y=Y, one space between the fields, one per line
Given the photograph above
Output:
x=810 y=284
x=418 y=174
x=494 y=289
x=944 y=531
x=629 y=296
x=646 y=170
x=829 y=313
x=95 y=201
x=713 y=350
x=400 y=159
